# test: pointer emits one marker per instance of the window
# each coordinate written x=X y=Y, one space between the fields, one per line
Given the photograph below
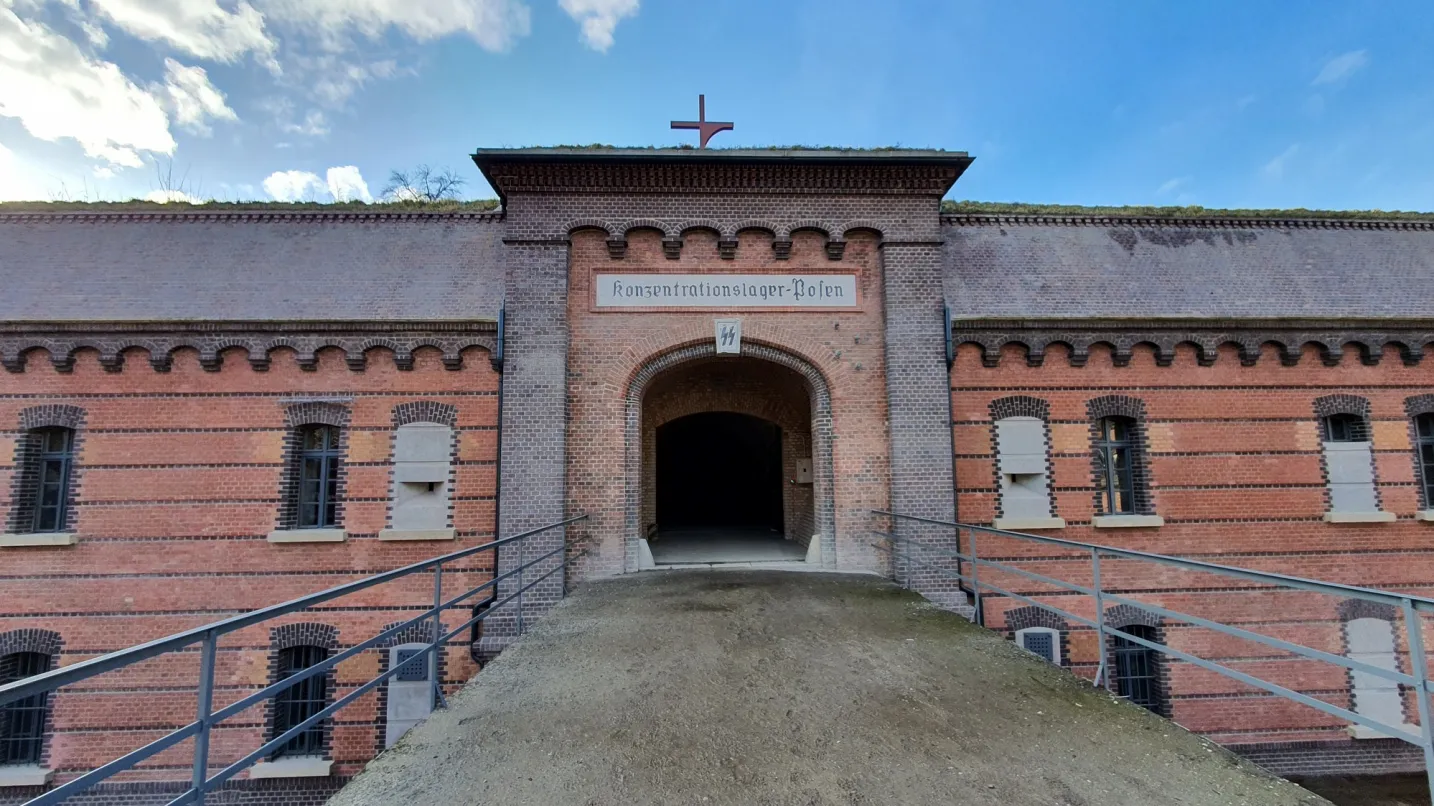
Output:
x=1115 y=481
x=1345 y=428
x=301 y=701
x=1424 y=430
x=1025 y=485
x=1371 y=641
x=319 y=457
x=421 y=457
x=53 y=465
x=1137 y=667
x=22 y=723
x=1043 y=641
x=1349 y=460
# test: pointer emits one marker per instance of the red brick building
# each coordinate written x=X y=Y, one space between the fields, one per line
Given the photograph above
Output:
x=209 y=412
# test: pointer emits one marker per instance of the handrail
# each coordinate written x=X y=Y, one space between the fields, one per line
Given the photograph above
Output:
x=1410 y=605
x=209 y=634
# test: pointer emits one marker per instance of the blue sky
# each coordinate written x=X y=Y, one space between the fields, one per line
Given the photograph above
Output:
x=1221 y=104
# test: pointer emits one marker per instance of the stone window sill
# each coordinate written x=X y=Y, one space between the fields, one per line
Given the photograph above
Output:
x=307 y=536
x=1366 y=732
x=24 y=775
x=37 y=539
x=1424 y=515
x=1127 y=521
x=295 y=767
x=1028 y=524
x=1358 y=517
x=418 y=534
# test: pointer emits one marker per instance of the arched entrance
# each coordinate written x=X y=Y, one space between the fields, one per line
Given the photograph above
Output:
x=733 y=459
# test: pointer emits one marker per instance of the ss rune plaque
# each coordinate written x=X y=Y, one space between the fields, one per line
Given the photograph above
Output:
x=729 y=336
x=725 y=291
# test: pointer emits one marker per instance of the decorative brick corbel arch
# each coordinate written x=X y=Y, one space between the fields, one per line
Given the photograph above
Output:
x=818 y=393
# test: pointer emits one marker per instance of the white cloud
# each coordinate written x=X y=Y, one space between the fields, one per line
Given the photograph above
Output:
x=599 y=19
x=193 y=98
x=346 y=184
x=290 y=186
x=336 y=79
x=1171 y=185
x=1341 y=67
x=56 y=92
x=171 y=197
x=314 y=125
x=200 y=28
x=493 y=24
x=1275 y=168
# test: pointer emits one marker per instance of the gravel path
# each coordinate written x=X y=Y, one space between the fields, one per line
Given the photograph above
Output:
x=755 y=687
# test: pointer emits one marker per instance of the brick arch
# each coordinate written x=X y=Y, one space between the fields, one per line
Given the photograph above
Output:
x=1020 y=406
x=1342 y=404
x=425 y=411
x=1126 y=615
x=316 y=413
x=591 y=223
x=1351 y=609
x=52 y=416
x=818 y=394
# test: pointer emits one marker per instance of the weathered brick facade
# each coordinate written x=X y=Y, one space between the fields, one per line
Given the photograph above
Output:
x=186 y=393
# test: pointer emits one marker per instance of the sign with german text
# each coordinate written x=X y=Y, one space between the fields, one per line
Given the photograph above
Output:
x=725 y=291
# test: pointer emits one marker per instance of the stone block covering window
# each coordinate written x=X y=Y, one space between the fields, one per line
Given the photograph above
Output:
x=311 y=508
x=1349 y=460
x=1421 y=425
x=45 y=482
x=24 y=724
x=423 y=458
x=1021 y=443
x=1369 y=638
x=1121 y=468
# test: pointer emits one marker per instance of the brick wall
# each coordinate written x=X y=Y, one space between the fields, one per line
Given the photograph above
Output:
x=1233 y=458
x=180 y=477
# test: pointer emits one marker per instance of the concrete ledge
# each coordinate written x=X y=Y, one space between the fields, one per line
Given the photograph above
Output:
x=1126 y=521
x=1028 y=524
x=418 y=534
x=1358 y=517
x=1424 y=515
x=296 y=767
x=307 y=536
x=37 y=539
x=1366 y=732
x=24 y=775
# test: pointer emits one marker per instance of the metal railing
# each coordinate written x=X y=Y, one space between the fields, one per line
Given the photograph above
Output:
x=208 y=639
x=963 y=561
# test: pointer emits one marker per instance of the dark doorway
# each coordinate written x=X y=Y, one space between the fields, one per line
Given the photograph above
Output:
x=719 y=469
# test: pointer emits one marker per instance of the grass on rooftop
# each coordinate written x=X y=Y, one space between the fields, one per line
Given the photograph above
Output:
x=950 y=206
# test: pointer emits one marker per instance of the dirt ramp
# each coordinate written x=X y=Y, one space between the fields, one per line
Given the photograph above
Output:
x=753 y=687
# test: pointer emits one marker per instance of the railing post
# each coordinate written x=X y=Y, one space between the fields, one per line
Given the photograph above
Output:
x=1417 y=666
x=1100 y=670
x=205 y=708
x=437 y=634
x=976 y=580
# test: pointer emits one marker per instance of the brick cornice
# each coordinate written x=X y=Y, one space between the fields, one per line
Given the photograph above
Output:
x=1214 y=222
x=1374 y=338
x=112 y=340
x=708 y=178
x=197 y=216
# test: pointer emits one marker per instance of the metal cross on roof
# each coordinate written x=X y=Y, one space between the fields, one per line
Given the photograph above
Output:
x=703 y=126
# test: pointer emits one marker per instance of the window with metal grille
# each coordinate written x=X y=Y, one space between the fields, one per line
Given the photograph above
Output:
x=1345 y=428
x=1137 y=667
x=1114 y=456
x=412 y=666
x=318 y=477
x=53 y=466
x=1424 y=427
x=22 y=723
x=301 y=701
x=1041 y=642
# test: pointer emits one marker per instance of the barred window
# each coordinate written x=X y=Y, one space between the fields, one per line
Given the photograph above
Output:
x=1136 y=667
x=1424 y=428
x=1345 y=428
x=52 y=465
x=318 y=458
x=1115 y=481
x=1043 y=641
x=300 y=701
x=22 y=723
